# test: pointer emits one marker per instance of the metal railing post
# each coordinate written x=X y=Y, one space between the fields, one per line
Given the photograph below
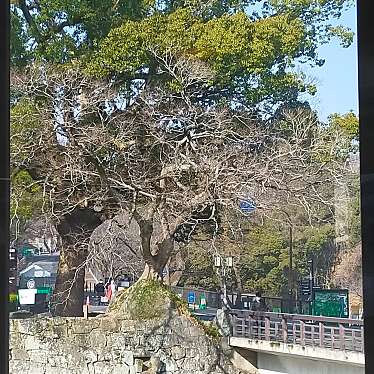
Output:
x=321 y=334
x=302 y=333
x=341 y=336
x=267 y=328
x=284 y=329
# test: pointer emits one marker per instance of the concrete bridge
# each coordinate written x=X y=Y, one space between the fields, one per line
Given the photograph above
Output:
x=298 y=344
x=277 y=343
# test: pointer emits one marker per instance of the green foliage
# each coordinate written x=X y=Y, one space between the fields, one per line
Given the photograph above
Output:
x=251 y=45
x=25 y=125
x=317 y=243
x=19 y=56
x=209 y=328
x=66 y=29
x=344 y=35
x=348 y=123
x=199 y=268
x=262 y=260
x=13 y=298
x=26 y=196
x=238 y=50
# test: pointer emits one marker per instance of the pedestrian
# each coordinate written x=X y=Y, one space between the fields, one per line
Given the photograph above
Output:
x=113 y=288
x=258 y=305
x=108 y=289
x=100 y=288
x=256 y=302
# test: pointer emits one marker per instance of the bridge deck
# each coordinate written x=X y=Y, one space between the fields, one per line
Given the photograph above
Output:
x=324 y=332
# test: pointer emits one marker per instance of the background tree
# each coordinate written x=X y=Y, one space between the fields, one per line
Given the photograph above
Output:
x=261 y=256
x=348 y=272
x=115 y=248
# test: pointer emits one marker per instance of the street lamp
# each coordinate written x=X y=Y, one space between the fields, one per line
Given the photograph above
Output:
x=290 y=271
x=311 y=276
x=221 y=264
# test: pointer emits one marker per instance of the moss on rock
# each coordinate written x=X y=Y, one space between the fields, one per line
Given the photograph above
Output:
x=150 y=299
x=147 y=299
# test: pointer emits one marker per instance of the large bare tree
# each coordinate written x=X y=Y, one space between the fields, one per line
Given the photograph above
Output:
x=169 y=162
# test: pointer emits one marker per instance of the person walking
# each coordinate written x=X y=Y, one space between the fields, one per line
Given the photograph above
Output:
x=108 y=289
x=112 y=288
x=259 y=305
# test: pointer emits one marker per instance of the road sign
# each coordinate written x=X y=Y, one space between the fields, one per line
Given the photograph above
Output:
x=191 y=297
x=331 y=303
x=305 y=290
x=217 y=261
x=247 y=206
x=26 y=296
x=30 y=284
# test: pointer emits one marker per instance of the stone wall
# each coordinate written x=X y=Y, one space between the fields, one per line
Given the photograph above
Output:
x=109 y=345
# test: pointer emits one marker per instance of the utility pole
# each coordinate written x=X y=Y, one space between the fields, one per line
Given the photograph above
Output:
x=290 y=265
x=290 y=271
x=311 y=279
x=221 y=265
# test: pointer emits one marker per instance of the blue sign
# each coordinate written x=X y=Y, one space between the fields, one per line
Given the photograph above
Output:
x=247 y=206
x=191 y=297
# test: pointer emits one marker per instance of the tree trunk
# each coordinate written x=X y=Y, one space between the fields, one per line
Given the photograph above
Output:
x=75 y=231
x=151 y=272
x=68 y=294
x=155 y=264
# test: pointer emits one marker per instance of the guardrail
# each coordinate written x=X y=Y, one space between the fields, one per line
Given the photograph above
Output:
x=324 y=332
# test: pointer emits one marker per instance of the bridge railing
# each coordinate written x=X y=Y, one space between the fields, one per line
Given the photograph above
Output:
x=324 y=332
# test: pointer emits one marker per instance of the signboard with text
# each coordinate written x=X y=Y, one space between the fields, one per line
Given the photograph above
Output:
x=27 y=296
x=331 y=303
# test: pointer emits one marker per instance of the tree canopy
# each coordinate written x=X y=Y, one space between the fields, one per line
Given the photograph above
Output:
x=250 y=46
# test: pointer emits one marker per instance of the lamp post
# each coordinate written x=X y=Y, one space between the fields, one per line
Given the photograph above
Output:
x=222 y=264
x=290 y=264
x=223 y=317
x=290 y=275
x=311 y=276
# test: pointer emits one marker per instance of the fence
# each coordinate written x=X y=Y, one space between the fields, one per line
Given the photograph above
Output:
x=212 y=298
x=324 y=332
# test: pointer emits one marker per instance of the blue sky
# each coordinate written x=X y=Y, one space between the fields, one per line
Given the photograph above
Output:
x=337 y=80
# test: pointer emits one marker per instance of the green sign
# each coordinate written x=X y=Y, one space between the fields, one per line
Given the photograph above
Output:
x=44 y=290
x=13 y=297
x=202 y=304
x=331 y=303
x=27 y=252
